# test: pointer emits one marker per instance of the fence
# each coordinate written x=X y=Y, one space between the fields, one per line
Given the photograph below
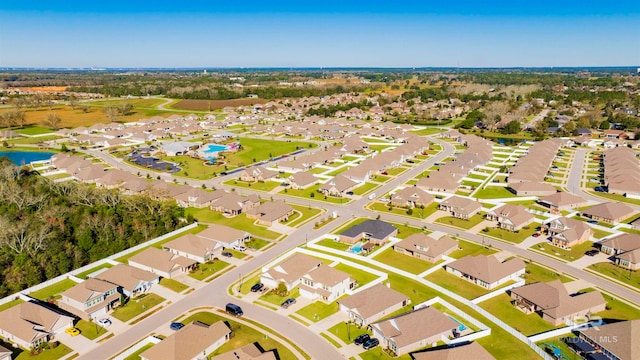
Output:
x=495 y=293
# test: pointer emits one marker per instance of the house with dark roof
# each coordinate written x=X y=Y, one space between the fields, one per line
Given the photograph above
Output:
x=486 y=270
x=554 y=304
x=371 y=304
x=425 y=247
x=375 y=231
x=414 y=330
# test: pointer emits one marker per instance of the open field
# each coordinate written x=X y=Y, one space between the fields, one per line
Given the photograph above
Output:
x=208 y=105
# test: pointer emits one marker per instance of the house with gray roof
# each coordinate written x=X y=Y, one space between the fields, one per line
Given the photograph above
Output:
x=375 y=231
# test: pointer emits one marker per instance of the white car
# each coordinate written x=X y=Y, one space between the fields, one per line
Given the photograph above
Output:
x=104 y=322
x=239 y=247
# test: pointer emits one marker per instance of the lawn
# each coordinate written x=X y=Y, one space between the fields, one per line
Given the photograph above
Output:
x=195 y=230
x=536 y=273
x=54 y=290
x=137 y=103
x=405 y=231
x=616 y=197
x=599 y=234
x=462 y=223
x=257 y=244
x=396 y=171
x=90 y=330
x=379 y=147
x=347 y=332
x=173 y=285
x=136 y=355
x=318 y=310
x=194 y=168
x=247 y=284
x=631 y=278
x=52 y=354
x=404 y=262
x=377 y=353
x=528 y=325
x=511 y=236
x=33 y=140
x=261 y=186
x=275 y=299
x=467 y=248
x=457 y=285
x=306 y=213
x=575 y=253
x=618 y=310
x=416 y=213
x=494 y=192
x=426 y=131
x=338 y=171
x=207 y=269
x=242 y=335
x=254 y=150
x=239 y=222
x=360 y=276
x=364 y=188
x=10 y=304
x=306 y=193
x=85 y=274
x=330 y=243
x=33 y=130
x=137 y=306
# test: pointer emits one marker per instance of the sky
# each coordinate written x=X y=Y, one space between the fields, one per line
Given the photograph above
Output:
x=406 y=33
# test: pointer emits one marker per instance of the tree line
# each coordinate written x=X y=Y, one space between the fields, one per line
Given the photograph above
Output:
x=51 y=228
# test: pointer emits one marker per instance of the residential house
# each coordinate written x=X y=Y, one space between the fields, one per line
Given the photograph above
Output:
x=225 y=236
x=31 y=323
x=532 y=188
x=459 y=207
x=194 y=341
x=179 y=147
x=566 y=232
x=616 y=341
x=554 y=304
x=248 y=352
x=625 y=249
x=5 y=354
x=614 y=134
x=302 y=180
x=257 y=173
x=472 y=350
x=271 y=212
x=325 y=283
x=194 y=247
x=115 y=178
x=371 y=304
x=290 y=271
x=414 y=330
x=232 y=204
x=131 y=281
x=486 y=270
x=512 y=217
x=562 y=201
x=337 y=186
x=375 y=231
x=609 y=212
x=163 y=263
x=90 y=299
x=412 y=197
x=425 y=247
x=199 y=198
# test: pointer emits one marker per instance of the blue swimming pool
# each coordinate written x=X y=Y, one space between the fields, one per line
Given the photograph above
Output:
x=461 y=326
x=356 y=249
x=214 y=148
x=26 y=157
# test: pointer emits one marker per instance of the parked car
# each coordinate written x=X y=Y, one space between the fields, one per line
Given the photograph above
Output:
x=349 y=192
x=234 y=309
x=72 y=331
x=372 y=196
x=600 y=189
x=287 y=303
x=227 y=254
x=594 y=222
x=239 y=247
x=371 y=343
x=104 y=322
x=592 y=252
x=176 y=326
x=361 y=339
x=257 y=287
x=536 y=235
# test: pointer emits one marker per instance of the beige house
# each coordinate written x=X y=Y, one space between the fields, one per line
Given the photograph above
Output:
x=290 y=271
x=473 y=351
x=532 y=188
x=302 y=180
x=554 y=304
x=224 y=235
x=371 y=304
x=337 y=186
x=131 y=281
x=257 y=173
x=413 y=330
x=325 y=283
x=194 y=341
x=90 y=299
x=247 y=352
x=459 y=207
x=29 y=324
x=425 y=247
x=511 y=217
x=411 y=197
x=163 y=263
x=618 y=340
x=566 y=232
x=609 y=212
x=625 y=249
x=271 y=212
x=194 y=247
x=486 y=270
x=232 y=204
x=562 y=201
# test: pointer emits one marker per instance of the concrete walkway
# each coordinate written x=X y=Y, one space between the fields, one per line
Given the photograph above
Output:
x=587 y=261
x=530 y=241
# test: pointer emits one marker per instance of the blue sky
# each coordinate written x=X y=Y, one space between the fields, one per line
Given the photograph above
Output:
x=319 y=33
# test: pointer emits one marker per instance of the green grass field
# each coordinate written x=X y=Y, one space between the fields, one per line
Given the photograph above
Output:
x=208 y=269
x=575 y=253
x=261 y=186
x=404 y=262
x=313 y=189
x=631 y=278
x=360 y=276
x=536 y=273
x=467 y=248
x=494 y=192
x=461 y=223
x=137 y=306
x=528 y=325
x=90 y=330
x=511 y=236
x=318 y=310
x=173 y=285
x=54 y=290
x=364 y=188
x=240 y=222
x=457 y=285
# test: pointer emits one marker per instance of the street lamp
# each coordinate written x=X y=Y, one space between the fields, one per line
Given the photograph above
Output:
x=348 y=330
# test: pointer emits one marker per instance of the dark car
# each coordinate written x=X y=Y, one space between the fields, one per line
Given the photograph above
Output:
x=234 y=309
x=536 y=235
x=594 y=222
x=592 y=252
x=361 y=339
x=257 y=287
x=371 y=343
x=600 y=189
x=176 y=326
x=288 y=302
x=227 y=254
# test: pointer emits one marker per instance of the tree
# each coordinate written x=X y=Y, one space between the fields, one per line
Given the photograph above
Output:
x=605 y=125
x=281 y=290
x=112 y=112
x=53 y=121
x=513 y=127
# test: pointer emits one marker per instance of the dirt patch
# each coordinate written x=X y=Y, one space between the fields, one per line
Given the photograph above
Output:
x=207 y=105
x=43 y=88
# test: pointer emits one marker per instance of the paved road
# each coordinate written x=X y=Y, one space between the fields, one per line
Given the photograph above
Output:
x=215 y=293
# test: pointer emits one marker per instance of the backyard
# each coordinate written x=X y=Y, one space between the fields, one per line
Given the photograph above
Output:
x=240 y=222
x=137 y=306
x=527 y=324
x=404 y=262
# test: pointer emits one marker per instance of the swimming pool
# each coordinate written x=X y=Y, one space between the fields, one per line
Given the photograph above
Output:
x=356 y=249
x=461 y=326
x=214 y=148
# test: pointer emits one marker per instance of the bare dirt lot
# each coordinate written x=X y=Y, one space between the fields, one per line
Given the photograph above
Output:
x=207 y=105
